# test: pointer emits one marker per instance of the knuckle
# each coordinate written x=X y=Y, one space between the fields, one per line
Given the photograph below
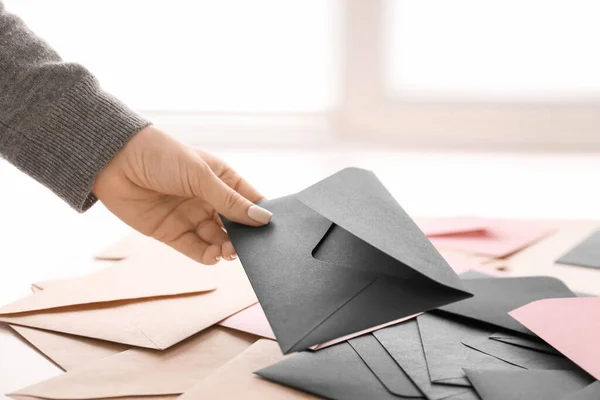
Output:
x=232 y=199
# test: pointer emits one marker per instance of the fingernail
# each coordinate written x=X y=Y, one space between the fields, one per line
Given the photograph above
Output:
x=259 y=214
x=233 y=256
x=218 y=258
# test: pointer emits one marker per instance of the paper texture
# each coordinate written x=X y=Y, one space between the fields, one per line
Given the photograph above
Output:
x=520 y=356
x=341 y=248
x=336 y=372
x=403 y=343
x=495 y=297
x=142 y=322
x=129 y=280
x=143 y=372
x=68 y=351
x=590 y=392
x=585 y=254
x=528 y=343
x=236 y=380
x=445 y=353
x=498 y=239
x=525 y=384
x=253 y=319
x=571 y=326
x=384 y=367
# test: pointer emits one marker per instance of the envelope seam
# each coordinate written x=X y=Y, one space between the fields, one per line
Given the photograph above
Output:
x=146 y=336
x=333 y=312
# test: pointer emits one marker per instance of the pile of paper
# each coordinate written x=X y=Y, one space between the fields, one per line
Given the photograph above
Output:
x=348 y=283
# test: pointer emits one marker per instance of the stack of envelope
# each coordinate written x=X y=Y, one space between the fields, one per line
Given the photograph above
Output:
x=145 y=326
x=479 y=348
x=372 y=306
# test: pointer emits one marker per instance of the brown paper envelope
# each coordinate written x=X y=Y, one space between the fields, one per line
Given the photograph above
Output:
x=136 y=278
x=236 y=380
x=165 y=397
x=68 y=351
x=155 y=323
x=133 y=243
x=142 y=372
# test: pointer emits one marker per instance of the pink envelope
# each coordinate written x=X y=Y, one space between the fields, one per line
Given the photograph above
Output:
x=451 y=226
x=254 y=321
x=499 y=238
x=571 y=326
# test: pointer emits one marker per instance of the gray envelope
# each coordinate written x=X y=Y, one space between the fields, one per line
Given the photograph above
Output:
x=585 y=254
x=590 y=392
x=340 y=257
x=526 y=342
x=521 y=356
x=336 y=372
x=526 y=384
x=445 y=353
x=403 y=343
x=384 y=367
x=494 y=298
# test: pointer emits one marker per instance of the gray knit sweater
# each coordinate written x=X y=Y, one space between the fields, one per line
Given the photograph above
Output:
x=56 y=123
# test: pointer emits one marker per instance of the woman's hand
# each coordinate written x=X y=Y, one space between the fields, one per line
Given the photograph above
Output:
x=175 y=194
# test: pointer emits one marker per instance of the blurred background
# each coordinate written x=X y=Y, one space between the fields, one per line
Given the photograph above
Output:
x=461 y=107
x=461 y=74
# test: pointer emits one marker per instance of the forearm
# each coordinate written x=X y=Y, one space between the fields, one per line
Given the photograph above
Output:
x=56 y=123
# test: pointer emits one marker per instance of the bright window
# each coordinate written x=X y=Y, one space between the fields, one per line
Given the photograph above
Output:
x=510 y=50
x=226 y=55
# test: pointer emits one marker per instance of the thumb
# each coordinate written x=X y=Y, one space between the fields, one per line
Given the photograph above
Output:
x=233 y=205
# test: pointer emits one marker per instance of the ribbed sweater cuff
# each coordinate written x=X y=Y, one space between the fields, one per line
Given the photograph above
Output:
x=82 y=132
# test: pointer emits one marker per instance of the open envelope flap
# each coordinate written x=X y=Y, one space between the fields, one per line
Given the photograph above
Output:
x=357 y=201
x=317 y=282
x=494 y=298
x=138 y=372
x=127 y=280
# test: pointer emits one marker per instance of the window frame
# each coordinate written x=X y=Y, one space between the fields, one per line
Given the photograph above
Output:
x=366 y=111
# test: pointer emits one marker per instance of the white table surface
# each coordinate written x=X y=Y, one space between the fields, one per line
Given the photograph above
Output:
x=41 y=238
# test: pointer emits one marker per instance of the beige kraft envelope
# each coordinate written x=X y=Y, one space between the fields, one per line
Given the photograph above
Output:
x=143 y=372
x=236 y=380
x=152 y=322
x=135 y=278
x=68 y=351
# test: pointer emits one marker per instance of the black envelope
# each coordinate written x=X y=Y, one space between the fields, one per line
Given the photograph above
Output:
x=336 y=372
x=585 y=254
x=525 y=342
x=443 y=342
x=527 y=384
x=383 y=366
x=494 y=298
x=521 y=356
x=590 y=392
x=355 y=370
x=403 y=343
x=340 y=257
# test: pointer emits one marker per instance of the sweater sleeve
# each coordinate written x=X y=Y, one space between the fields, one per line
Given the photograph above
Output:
x=56 y=123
